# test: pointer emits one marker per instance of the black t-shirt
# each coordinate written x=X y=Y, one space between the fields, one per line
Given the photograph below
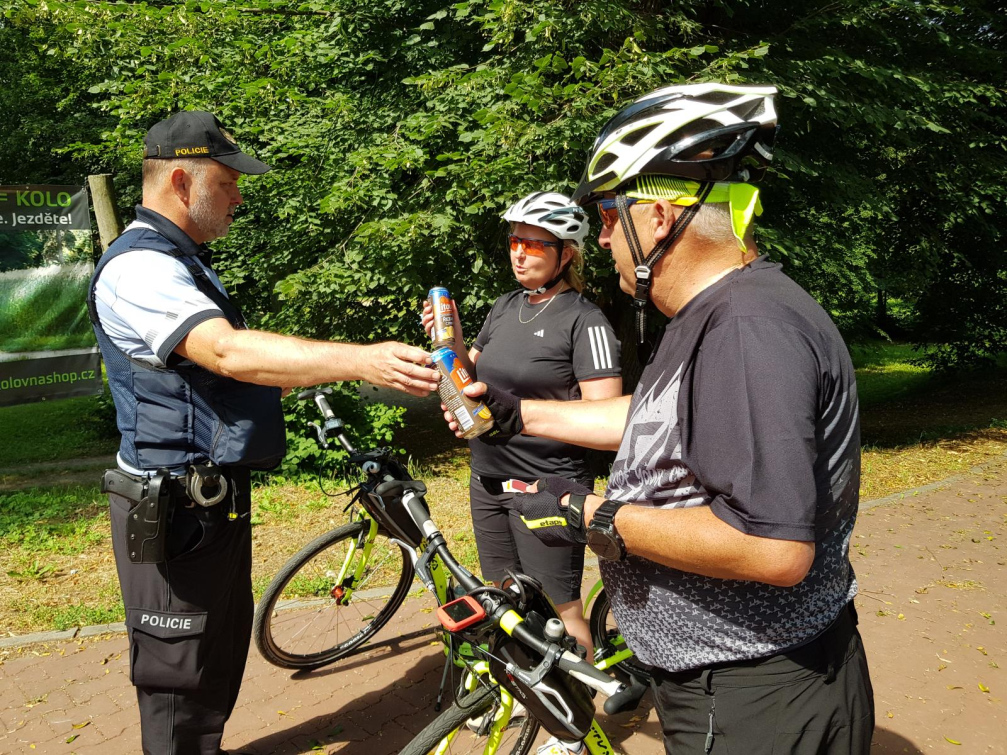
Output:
x=748 y=406
x=541 y=351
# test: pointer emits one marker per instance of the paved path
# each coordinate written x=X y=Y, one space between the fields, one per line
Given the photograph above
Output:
x=933 y=606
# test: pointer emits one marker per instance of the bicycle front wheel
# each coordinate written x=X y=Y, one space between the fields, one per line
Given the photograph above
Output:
x=460 y=730
x=306 y=620
x=608 y=640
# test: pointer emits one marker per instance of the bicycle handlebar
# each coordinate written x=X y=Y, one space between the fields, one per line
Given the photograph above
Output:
x=508 y=619
x=620 y=696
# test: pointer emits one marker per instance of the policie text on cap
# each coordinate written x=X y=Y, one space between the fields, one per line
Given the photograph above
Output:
x=196 y=133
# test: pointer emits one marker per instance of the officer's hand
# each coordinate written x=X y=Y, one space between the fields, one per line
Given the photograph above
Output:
x=551 y=521
x=399 y=366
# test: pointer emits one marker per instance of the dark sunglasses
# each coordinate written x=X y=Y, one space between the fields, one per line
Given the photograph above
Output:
x=609 y=212
x=534 y=247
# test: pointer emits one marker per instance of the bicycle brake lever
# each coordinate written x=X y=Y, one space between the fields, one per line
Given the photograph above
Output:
x=422 y=569
x=322 y=441
x=410 y=551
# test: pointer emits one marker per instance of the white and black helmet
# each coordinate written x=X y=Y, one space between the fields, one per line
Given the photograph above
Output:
x=552 y=211
x=700 y=132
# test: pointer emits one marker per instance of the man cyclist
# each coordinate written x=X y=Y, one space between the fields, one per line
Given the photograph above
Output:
x=724 y=534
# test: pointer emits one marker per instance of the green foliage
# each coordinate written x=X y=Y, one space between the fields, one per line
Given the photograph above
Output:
x=367 y=426
x=400 y=130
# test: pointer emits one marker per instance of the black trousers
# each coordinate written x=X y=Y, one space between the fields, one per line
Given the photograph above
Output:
x=814 y=700
x=190 y=622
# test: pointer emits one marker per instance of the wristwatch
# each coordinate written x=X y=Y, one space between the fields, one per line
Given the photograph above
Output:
x=602 y=536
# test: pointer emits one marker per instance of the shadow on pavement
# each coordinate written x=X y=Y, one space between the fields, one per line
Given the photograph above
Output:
x=385 y=718
x=375 y=652
x=888 y=742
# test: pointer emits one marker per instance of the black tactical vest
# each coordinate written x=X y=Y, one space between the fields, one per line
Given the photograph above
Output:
x=182 y=414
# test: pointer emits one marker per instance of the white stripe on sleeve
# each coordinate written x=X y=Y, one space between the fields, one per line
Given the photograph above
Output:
x=603 y=345
x=594 y=347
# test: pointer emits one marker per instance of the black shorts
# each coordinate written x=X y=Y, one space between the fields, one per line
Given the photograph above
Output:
x=813 y=700
x=504 y=542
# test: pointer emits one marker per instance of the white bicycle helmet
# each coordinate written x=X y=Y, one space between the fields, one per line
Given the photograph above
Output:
x=701 y=132
x=552 y=211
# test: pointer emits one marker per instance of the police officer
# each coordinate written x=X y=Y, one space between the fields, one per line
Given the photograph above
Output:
x=197 y=398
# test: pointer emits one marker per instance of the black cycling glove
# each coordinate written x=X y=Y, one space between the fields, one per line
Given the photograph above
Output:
x=551 y=522
x=506 y=410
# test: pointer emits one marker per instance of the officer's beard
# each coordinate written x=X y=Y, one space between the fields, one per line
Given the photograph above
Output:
x=209 y=223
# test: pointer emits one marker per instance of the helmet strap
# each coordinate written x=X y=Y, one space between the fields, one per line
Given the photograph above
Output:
x=549 y=284
x=645 y=265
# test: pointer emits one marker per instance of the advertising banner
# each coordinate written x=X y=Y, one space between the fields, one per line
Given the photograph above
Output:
x=47 y=349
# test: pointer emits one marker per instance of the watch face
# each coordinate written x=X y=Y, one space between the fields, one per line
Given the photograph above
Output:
x=604 y=545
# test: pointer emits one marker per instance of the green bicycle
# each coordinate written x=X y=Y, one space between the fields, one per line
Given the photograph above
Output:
x=519 y=651
x=340 y=589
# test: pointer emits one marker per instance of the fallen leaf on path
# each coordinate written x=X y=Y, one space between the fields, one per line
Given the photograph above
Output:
x=891 y=715
x=980 y=648
x=74 y=736
x=954 y=686
x=88 y=723
x=983 y=687
x=952 y=741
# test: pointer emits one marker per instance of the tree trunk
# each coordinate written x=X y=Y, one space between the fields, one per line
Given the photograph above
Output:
x=105 y=210
x=881 y=311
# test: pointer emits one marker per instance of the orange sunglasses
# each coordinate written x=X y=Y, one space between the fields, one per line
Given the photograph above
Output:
x=532 y=247
x=610 y=214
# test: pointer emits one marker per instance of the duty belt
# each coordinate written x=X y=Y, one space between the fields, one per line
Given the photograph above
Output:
x=147 y=522
x=202 y=485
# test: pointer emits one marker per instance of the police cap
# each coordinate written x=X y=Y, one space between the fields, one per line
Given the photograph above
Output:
x=196 y=133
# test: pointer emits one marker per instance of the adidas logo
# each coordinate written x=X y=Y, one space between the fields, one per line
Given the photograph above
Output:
x=539 y=333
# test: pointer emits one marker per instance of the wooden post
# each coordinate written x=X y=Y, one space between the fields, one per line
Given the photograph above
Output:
x=105 y=210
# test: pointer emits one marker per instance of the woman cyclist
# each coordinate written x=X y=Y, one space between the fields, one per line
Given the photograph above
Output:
x=543 y=340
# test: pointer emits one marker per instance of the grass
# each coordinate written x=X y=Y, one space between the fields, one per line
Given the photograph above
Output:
x=52 y=431
x=56 y=566
x=885 y=372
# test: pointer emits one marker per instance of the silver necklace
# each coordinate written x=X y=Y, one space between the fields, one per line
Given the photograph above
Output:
x=551 y=298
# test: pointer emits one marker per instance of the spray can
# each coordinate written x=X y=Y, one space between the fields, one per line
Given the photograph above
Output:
x=473 y=417
x=443 y=332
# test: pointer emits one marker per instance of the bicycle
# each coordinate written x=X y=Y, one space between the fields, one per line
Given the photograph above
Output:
x=522 y=652
x=341 y=588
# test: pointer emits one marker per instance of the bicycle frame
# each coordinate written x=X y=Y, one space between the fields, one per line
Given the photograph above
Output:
x=596 y=743
x=389 y=485
x=440 y=575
